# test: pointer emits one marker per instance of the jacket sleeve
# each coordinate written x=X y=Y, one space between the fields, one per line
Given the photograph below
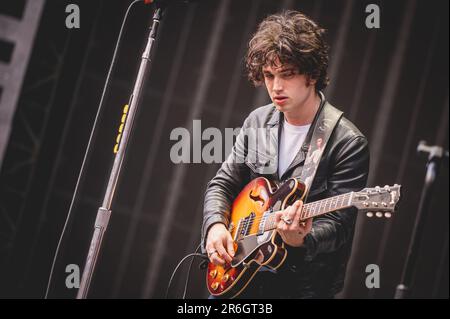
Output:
x=226 y=184
x=331 y=231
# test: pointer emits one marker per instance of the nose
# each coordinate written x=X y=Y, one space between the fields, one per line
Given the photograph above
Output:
x=277 y=84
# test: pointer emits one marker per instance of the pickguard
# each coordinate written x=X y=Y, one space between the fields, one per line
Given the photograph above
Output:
x=248 y=247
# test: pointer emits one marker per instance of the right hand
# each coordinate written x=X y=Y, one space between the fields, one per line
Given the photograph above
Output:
x=219 y=245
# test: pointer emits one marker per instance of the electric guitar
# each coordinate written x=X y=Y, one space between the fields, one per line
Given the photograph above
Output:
x=253 y=227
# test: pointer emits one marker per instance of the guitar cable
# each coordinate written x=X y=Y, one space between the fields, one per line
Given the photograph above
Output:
x=193 y=255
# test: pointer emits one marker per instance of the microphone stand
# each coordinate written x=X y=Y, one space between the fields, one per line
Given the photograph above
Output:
x=435 y=155
x=104 y=212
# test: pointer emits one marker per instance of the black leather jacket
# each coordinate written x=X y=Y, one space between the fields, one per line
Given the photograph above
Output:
x=317 y=268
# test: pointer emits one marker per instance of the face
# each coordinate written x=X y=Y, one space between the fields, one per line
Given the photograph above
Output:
x=289 y=90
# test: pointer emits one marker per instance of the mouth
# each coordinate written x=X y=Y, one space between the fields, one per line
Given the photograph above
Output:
x=280 y=100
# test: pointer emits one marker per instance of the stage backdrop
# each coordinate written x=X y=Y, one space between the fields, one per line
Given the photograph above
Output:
x=392 y=82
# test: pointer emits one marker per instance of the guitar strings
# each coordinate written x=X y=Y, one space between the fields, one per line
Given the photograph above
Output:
x=305 y=207
x=258 y=220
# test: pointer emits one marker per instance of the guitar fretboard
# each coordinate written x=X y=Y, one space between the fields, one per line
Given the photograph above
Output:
x=314 y=209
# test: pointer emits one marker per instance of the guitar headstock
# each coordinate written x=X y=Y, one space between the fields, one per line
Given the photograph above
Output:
x=377 y=201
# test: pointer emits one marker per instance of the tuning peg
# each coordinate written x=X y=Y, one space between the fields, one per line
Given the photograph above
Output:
x=379 y=214
x=384 y=204
x=387 y=215
x=369 y=214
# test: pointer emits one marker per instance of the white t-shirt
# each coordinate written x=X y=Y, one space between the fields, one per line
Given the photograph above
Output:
x=292 y=138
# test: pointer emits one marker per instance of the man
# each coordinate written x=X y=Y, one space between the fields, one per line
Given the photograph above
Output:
x=289 y=55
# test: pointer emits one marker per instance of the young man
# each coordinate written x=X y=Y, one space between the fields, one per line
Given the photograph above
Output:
x=289 y=55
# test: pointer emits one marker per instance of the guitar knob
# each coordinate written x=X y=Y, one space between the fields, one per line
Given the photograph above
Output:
x=214 y=286
x=226 y=277
x=213 y=273
x=387 y=215
x=379 y=214
x=369 y=214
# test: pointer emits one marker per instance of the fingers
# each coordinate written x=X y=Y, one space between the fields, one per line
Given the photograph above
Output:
x=308 y=225
x=289 y=219
x=289 y=215
x=305 y=227
x=289 y=224
x=215 y=247
x=214 y=253
x=230 y=246
x=222 y=252
x=216 y=260
x=298 y=205
x=281 y=225
x=278 y=216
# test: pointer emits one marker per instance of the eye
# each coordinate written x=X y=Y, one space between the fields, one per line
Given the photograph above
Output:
x=288 y=74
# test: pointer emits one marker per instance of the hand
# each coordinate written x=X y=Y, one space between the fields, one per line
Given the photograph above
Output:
x=219 y=245
x=291 y=229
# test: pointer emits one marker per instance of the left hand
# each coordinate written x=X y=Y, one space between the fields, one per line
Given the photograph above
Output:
x=293 y=233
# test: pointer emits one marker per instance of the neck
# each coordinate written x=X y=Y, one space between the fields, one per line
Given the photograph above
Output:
x=310 y=210
x=268 y=220
x=304 y=113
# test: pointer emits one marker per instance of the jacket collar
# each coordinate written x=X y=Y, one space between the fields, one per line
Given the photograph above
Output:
x=276 y=117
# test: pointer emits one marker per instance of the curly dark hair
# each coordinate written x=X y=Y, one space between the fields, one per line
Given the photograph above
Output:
x=292 y=38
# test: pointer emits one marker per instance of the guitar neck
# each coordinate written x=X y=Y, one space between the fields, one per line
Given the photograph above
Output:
x=314 y=209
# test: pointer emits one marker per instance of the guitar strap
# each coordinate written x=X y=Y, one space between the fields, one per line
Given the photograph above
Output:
x=324 y=125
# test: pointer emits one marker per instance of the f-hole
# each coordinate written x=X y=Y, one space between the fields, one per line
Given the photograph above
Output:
x=256 y=197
